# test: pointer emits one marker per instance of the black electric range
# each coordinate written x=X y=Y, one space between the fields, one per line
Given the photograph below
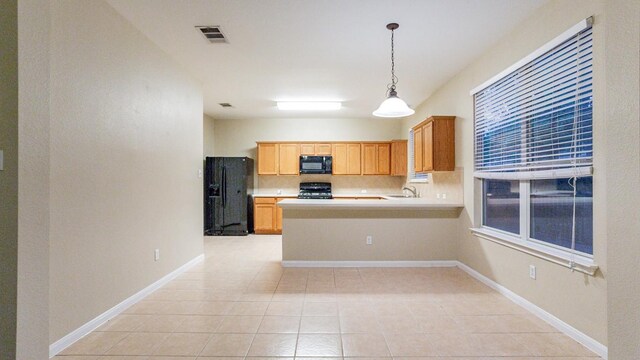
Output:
x=315 y=190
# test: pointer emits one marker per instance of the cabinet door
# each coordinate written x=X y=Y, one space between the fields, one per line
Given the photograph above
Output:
x=267 y=159
x=346 y=159
x=353 y=159
x=444 y=147
x=278 y=216
x=307 y=149
x=427 y=147
x=264 y=214
x=340 y=159
x=369 y=159
x=383 y=161
x=418 y=151
x=399 y=158
x=323 y=149
x=376 y=159
x=289 y=159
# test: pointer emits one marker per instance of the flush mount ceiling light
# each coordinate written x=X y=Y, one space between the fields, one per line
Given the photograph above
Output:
x=309 y=105
x=393 y=106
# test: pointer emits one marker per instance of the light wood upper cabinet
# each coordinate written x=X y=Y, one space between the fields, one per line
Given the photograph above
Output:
x=417 y=149
x=427 y=147
x=434 y=144
x=346 y=159
x=268 y=159
x=399 y=158
x=376 y=159
x=319 y=149
x=349 y=158
x=307 y=149
x=289 y=159
x=323 y=149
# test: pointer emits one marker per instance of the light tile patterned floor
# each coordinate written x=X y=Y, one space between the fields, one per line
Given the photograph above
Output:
x=241 y=303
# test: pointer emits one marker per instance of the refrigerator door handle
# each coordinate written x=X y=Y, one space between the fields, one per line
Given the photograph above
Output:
x=224 y=186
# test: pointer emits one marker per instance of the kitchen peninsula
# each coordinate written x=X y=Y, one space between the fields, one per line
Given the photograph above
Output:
x=347 y=232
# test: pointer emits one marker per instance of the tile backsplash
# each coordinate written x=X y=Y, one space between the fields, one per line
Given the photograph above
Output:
x=343 y=184
x=444 y=187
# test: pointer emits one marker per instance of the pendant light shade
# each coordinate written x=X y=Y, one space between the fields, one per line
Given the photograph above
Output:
x=393 y=106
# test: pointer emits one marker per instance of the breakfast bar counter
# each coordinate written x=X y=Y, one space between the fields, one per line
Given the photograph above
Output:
x=385 y=203
x=368 y=232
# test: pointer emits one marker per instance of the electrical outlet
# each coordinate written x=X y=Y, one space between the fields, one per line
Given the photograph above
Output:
x=199 y=173
x=532 y=271
x=156 y=254
x=444 y=195
x=438 y=195
x=369 y=240
x=363 y=191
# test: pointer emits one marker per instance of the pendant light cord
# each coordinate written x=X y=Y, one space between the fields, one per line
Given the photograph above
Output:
x=394 y=79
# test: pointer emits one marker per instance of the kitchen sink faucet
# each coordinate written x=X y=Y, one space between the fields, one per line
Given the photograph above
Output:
x=412 y=189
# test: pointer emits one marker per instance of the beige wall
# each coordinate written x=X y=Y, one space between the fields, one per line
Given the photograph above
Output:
x=126 y=146
x=340 y=235
x=8 y=177
x=623 y=177
x=33 y=231
x=238 y=138
x=209 y=135
x=575 y=298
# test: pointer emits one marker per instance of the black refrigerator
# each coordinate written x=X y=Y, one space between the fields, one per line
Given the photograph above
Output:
x=228 y=205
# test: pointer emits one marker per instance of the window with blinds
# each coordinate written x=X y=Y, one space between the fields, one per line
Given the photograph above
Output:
x=536 y=122
x=534 y=148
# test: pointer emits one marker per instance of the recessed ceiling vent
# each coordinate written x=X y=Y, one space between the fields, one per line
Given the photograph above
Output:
x=225 y=105
x=213 y=34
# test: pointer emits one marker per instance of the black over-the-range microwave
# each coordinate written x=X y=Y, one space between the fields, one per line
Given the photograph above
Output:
x=315 y=164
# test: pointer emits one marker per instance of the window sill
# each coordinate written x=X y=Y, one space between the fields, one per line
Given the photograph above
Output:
x=580 y=263
x=419 y=181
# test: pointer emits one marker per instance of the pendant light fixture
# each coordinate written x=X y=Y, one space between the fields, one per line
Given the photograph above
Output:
x=393 y=106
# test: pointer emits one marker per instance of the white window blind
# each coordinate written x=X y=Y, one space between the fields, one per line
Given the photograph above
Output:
x=536 y=122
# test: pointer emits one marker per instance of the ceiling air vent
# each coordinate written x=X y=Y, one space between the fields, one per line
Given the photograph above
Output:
x=213 y=34
x=225 y=105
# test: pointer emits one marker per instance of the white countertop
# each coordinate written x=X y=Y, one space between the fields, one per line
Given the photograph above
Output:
x=295 y=195
x=388 y=203
x=276 y=195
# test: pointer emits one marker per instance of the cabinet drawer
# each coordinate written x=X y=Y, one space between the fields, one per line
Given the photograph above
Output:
x=264 y=200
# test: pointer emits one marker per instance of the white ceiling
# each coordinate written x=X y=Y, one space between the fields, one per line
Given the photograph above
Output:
x=322 y=49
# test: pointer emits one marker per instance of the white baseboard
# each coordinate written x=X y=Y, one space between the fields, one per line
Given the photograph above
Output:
x=425 y=263
x=565 y=328
x=85 y=329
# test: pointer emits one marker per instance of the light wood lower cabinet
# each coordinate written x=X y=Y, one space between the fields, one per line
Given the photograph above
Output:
x=267 y=215
x=278 y=216
x=264 y=215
